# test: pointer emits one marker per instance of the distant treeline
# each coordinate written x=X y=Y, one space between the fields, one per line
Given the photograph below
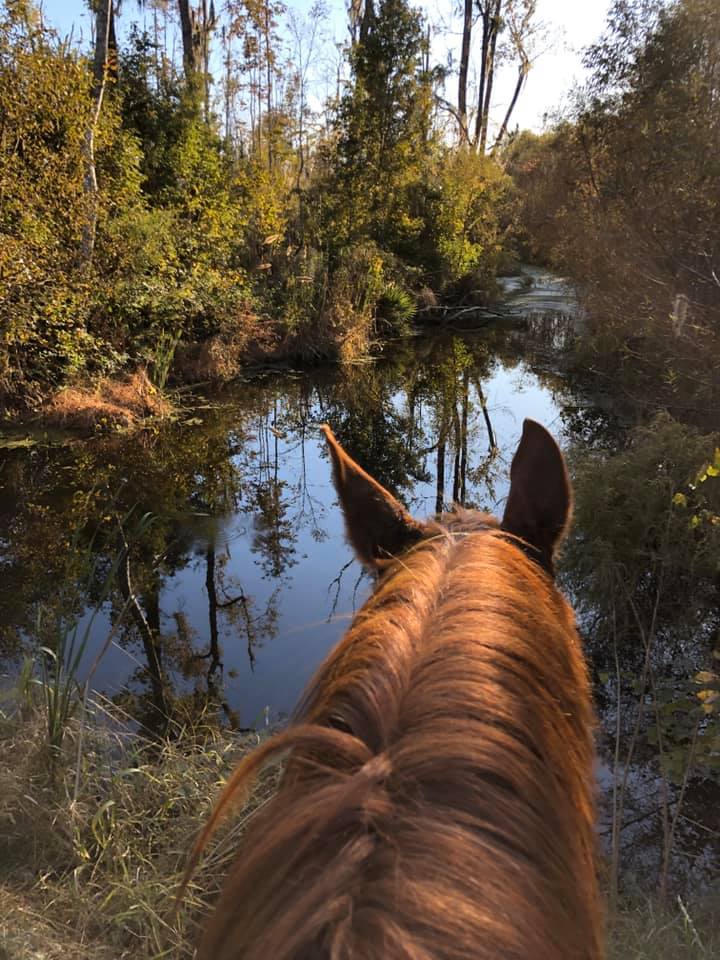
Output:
x=208 y=189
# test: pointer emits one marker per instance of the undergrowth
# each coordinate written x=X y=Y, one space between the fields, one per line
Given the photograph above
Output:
x=93 y=846
x=643 y=929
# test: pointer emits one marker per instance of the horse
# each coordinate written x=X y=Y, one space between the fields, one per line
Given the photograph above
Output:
x=437 y=800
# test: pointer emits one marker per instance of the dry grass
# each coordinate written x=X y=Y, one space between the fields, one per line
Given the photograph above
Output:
x=27 y=932
x=91 y=853
x=110 y=403
x=645 y=930
x=221 y=358
x=341 y=333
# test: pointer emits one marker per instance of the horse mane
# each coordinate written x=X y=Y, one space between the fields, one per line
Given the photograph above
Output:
x=437 y=801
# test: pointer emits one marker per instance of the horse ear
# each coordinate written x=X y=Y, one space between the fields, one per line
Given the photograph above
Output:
x=539 y=505
x=378 y=526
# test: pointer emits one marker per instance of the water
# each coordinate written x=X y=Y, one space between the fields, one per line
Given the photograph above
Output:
x=240 y=566
x=244 y=572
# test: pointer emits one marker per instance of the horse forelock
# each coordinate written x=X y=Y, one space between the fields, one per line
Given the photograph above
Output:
x=443 y=808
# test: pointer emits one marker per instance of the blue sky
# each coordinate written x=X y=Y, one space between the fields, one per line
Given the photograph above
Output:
x=571 y=25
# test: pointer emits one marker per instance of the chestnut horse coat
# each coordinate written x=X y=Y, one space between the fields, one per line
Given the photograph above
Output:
x=437 y=802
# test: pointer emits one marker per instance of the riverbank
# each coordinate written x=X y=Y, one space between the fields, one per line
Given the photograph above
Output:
x=94 y=844
x=340 y=336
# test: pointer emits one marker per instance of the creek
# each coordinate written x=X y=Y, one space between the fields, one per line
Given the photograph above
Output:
x=237 y=557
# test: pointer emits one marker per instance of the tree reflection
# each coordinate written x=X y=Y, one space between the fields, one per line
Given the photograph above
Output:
x=232 y=498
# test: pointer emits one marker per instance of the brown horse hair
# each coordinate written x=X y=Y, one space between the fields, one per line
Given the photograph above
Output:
x=437 y=801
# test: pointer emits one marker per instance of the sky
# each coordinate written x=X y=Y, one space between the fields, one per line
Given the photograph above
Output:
x=570 y=26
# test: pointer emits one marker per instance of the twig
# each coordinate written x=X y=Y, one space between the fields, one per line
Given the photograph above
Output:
x=678 y=808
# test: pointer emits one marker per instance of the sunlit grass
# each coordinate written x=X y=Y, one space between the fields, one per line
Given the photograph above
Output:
x=91 y=853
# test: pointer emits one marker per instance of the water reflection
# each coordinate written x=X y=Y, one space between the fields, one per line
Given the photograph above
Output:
x=242 y=581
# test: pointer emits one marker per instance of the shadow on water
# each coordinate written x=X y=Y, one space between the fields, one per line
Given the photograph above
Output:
x=242 y=582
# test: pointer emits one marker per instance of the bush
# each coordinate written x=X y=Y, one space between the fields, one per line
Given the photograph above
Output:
x=465 y=206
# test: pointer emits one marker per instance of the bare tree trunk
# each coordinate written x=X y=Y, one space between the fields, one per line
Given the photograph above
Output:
x=103 y=26
x=523 y=70
x=188 y=42
x=465 y=64
x=494 y=31
x=457 y=443
x=257 y=69
x=226 y=42
x=490 y=13
x=440 y=478
x=268 y=81
x=205 y=46
x=156 y=46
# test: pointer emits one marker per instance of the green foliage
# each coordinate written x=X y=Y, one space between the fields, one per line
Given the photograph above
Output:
x=295 y=243
x=42 y=91
x=59 y=664
x=645 y=573
x=396 y=308
x=464 y=212
x=701 y=501
x=382 y=136
x=633 y=542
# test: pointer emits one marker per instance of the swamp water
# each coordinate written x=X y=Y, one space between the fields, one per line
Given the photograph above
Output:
x=237 y=558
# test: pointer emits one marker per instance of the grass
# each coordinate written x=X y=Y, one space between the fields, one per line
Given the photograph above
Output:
x=108 y=403
x=93 y=847
x=643 y=929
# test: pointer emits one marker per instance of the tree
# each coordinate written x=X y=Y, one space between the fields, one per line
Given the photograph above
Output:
x=523 y=32
x=464 y=66
x=515 y=19
x=196 y=27
x=104 y=15
x=383 y=129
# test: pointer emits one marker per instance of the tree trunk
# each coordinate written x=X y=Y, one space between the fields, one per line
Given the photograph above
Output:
x=465 y=64
x=368 y=18
x=464 y=442
x=490 y=14
x=188 y=41
x=523 y=70
x=268 y=90
x=103 y=31
x=205 y=50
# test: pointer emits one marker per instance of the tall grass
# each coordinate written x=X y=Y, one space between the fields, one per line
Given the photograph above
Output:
x=59 y=664
x=163 y=356
x=98 y=849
